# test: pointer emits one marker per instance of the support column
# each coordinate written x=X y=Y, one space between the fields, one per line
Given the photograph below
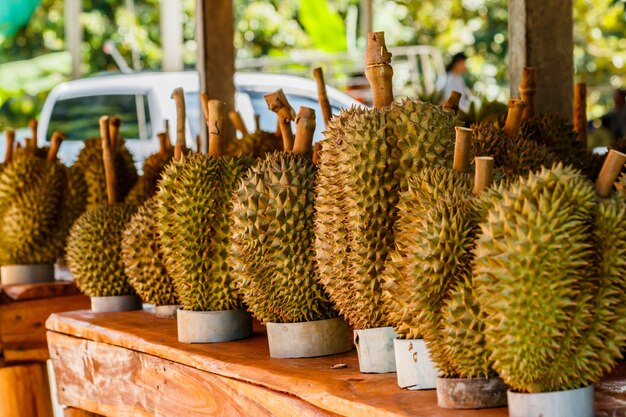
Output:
x=216 y=55
x=367 y=18
x=541 y=36
x=73 y=34
x=172 y=35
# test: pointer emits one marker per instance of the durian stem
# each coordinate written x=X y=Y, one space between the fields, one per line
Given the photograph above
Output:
x=514 y=117
x=107 y=157
x=179 y=98
x=317 y=148
x=114 y=130
x=257 y=122
x=10 y=136
x=29 y=146
x=237 y=121
x=55 y=144
x=452 y=103
x=580 y=112
x=198 y=144
x=527 y=88
x=32 y=125
x=278 y=103
x=611 y=168
x=167 y=132
x=462 y=149
x=215 y=123
x=483 y=177
x=305 y=128
x=322 y=96
x=163 y=143
x=378 y=70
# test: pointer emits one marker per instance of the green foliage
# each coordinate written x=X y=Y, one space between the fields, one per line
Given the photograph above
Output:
x=325 y=26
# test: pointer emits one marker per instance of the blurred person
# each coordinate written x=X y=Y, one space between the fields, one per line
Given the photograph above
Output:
x=454 y=81
x=615 y=120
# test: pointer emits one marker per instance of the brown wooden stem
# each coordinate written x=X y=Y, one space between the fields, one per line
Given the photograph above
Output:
x=452 y=103
x=107 y=157
x=322 y=95
x=317 y=149
x=378 y=69
x=167 y=132
x=580 y=112
x=462 y=149
x=179 y=98
x=10 y=136
x=611 y=168
x=163 y=143
x=257 y=122
x=277 y=102
x=215 y=124
x=237 y=121
x=114 y=130
x=527 y=90
x=55 y=144
x=305 y=128
x=483 y=176
x=32 y=125
x=514 y=117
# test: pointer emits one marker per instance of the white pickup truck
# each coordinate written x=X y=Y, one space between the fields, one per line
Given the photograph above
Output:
x=143 y=102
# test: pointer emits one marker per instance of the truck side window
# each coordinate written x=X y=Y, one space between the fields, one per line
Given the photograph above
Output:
x=78 y=117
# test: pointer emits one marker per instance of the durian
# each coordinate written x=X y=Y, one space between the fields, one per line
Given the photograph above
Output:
x=36 y=208
x=272 y=234
x=194 y=218
x=366 y=157
x=94 y=248
x=90 y=162
x=30 y=146
x=255 y=144
x=549 y=275
x=153 y=166
x=143 y=261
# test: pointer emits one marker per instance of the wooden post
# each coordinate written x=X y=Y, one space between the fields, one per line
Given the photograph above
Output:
x=24 y=391
x=73 y=34
x=541 y=36
x=580 y=112
x=216 y=53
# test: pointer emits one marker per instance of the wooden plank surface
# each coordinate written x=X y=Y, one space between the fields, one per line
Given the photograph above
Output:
x=118 y=382
x=24 y=391
x=22 y=325
x=341 y=391
x=10 y=293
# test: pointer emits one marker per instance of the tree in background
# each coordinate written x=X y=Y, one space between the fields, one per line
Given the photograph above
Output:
x=275 y=27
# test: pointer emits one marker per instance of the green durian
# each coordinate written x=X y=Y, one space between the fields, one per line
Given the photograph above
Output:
x=153 y=166
x=143 y=263
x=194 y=220
x=366 y=157
x=90 y=162
x=272 y=235
x=549 y=273
x=94 y=247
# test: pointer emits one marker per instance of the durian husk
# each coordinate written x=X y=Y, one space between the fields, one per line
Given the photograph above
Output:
x=90 y=162
x=193 y=225
x=272 y=241
x=533 y=277
x=146 y=186
x=256 y=144
x=143 y=261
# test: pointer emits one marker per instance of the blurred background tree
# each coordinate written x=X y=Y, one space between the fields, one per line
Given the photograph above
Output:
x=276 y=27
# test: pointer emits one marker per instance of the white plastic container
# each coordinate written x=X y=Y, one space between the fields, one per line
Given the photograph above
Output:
x=166 y=312
x=375 y=350
x=570 y=403
x=308 y=339
x=213 y=326
x=116 y=303
x=416 y=371
x=26 y=274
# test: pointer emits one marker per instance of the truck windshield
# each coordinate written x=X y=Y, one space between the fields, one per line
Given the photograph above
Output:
x=78 y=117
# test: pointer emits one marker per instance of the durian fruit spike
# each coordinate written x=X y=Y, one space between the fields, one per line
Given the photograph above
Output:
x=95 y=243
x=378 y=69
x=527 y=89
x=181 y=115
x=514 y=117
x=608 y=174
x=580 y=112
x=277 y=102
x=322 y=96
x=10 y=139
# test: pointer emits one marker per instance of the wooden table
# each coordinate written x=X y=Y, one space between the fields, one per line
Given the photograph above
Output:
x=131 y=364
x=24 y=390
